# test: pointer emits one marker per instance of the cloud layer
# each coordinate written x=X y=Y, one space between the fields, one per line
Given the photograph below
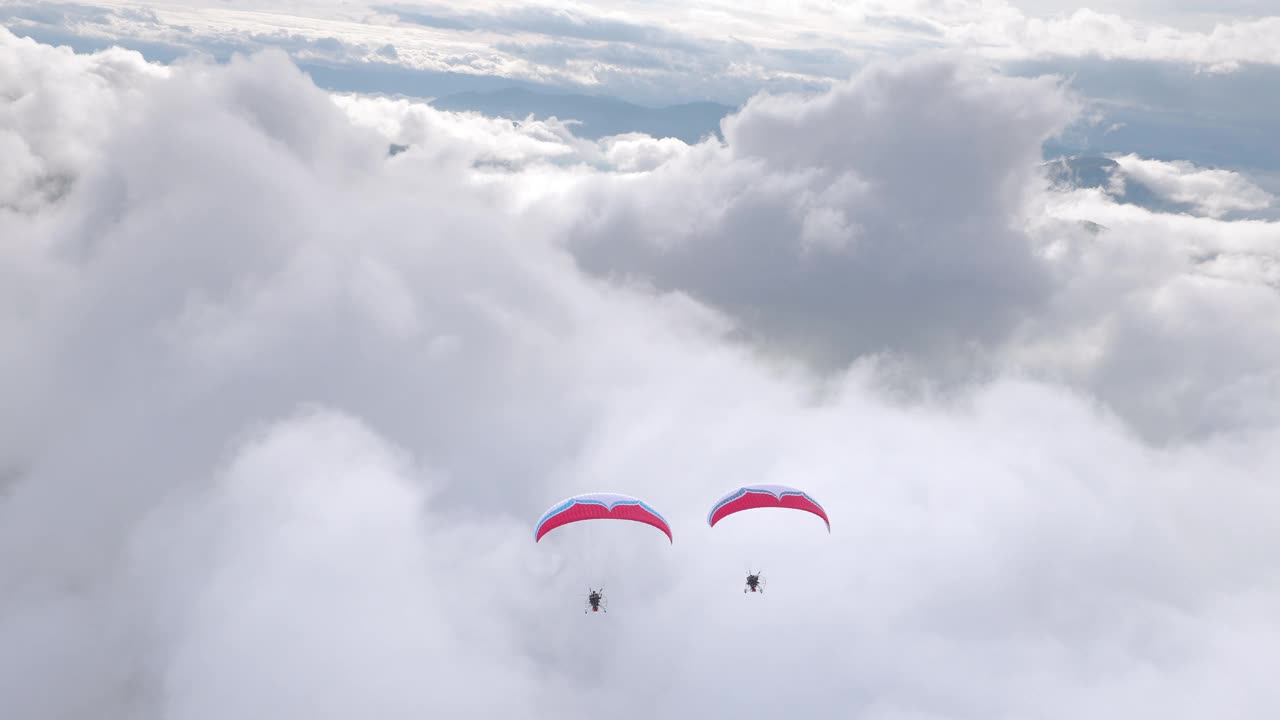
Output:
x=663 y=52
x=284 y=408
x=903 y=215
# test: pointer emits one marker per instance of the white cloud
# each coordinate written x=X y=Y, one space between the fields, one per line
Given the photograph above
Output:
x=914 y=174
x=472 y=138
x=319 y=597
x=662 y=52
x=46 y=136
x=951 y=259
x=282 y=410
x=1090 y=33
x=1173 y=307
x=636 y=152
x=1212 y=191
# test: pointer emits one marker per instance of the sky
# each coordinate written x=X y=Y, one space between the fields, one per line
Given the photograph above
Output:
x=290 y=372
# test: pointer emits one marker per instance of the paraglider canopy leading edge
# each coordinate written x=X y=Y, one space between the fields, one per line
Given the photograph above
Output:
x=600 y=506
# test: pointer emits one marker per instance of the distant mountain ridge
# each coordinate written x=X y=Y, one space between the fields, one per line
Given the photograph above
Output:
x=599 y=116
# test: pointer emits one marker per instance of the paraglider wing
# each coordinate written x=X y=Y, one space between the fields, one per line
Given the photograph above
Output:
x=765 y=496
x=600 y=506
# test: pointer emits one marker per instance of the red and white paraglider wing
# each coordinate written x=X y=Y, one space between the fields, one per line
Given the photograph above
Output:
x=600 y=506
x=750 y=497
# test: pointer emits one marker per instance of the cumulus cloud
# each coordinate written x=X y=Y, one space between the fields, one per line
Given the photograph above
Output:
x=878 y=217
x=1213 y=192
x=902 y=216
x=473 y=138
x=46 y=136
x=317 y=506
x=283 y=408
x=1162 y=315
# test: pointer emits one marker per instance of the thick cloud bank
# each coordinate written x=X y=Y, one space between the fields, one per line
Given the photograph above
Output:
x=874 y=217
x=905 y=214
x=282 y=408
